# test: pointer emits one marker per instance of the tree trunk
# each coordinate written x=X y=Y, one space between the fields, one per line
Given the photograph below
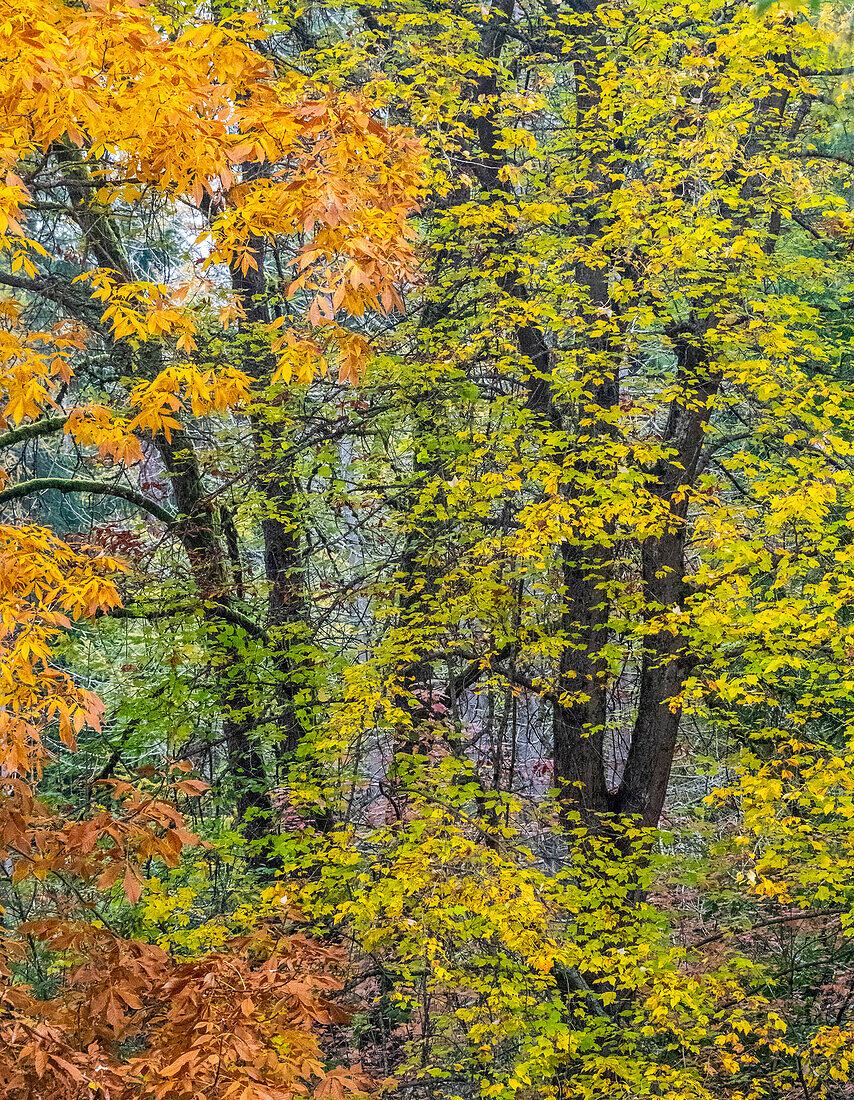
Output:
x=666 y=658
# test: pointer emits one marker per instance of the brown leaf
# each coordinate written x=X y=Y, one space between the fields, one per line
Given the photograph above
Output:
x=132 y=885
x=109 y=876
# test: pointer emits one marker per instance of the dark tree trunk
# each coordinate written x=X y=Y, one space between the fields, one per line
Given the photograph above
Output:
x=195 y=528
x=196 y=533
x=287 y=601
x=666 y=657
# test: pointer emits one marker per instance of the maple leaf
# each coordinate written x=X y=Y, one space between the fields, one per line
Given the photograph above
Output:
x=336 y=1083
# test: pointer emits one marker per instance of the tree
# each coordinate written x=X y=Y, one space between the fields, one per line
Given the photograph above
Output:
x=621 y=515
x=106 y=140
x=120 y=115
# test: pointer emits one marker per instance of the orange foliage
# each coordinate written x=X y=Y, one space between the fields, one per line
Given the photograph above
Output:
x=135 y=107
x=237 y=1023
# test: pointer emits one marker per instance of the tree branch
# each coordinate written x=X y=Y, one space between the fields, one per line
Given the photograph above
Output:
x=844 y=71
x=815 y=153
x=764 y=924
x=222 y=610
x=521 y=680
x=33 y=431
x=80 y=304
x=476 y=668
x=80 y=485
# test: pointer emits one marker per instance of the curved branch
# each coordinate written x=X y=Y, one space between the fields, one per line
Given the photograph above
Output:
x=33 y=431
x=80 y=485
x=70 y=297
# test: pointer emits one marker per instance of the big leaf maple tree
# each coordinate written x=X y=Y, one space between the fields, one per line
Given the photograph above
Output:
x=114 y=114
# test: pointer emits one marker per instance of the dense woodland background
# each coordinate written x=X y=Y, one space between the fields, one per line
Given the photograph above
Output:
x=427 y=550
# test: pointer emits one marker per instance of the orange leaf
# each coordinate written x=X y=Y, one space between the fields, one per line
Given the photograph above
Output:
x=132 y=885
